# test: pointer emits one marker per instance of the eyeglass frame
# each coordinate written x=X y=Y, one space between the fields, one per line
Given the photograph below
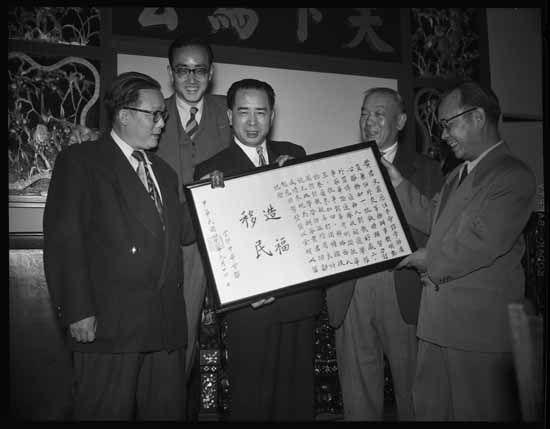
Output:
x=179 y=71
x=444 y=123
x=163 y=113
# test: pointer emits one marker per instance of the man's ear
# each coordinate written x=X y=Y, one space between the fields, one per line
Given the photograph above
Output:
x=272 y=118
x=170 y=74
x=211 y=72
x=479 y=117
x=122 y=116
x=230 y=116
x=401 y=121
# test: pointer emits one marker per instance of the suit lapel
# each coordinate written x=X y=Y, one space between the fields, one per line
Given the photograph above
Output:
x=271 y=151
x=447 y=189
x=238 y=160
x=170 y=213
x=131 y=190
x=205 y=117
x=403 y=162
x=459 y=197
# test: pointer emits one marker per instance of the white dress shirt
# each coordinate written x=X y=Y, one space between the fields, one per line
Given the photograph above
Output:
x=252 y=152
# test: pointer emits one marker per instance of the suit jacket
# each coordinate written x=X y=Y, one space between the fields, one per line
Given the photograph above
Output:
x=213 y=135
x=106 y=254
x=474 y=251
x=183 y=154
x=232 y=161
x=426 y=175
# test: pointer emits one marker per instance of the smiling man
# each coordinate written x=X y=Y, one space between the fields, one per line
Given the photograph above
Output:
x=112 y=235
x=197 y=129
x=471 y=265
x=376 y=315
x=270 y=343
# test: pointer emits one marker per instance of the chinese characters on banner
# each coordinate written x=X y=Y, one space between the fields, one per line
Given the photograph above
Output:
x=368 y=33
x=345 y=217
x=287 y=226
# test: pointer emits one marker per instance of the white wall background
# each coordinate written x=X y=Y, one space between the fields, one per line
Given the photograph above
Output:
x=319 y=111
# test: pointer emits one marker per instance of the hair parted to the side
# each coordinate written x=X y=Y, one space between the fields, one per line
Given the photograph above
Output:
x=124 y=91
x=183 y=41
x=250 y=84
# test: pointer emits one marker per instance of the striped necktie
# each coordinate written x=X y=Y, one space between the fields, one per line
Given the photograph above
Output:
x=192 y=124
x=145 y=177
x=260 y=151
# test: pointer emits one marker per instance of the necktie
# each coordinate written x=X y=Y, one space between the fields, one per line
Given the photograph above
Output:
x=145 y=177
x=260 y=151
x=463 y=175
x=192 y=125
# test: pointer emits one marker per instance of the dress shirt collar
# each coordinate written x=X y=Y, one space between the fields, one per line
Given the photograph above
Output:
x=389 y=153
x=127 y=150
x=184 y=109
x=470 y=165
x=252 y=152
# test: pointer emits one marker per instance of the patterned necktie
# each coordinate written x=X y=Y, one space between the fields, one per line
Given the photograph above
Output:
x=260 y=151
x=192 y=125
x=145 y=177
x=463 y=175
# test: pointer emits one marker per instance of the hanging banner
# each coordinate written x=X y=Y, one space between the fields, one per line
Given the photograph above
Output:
x=360 y=33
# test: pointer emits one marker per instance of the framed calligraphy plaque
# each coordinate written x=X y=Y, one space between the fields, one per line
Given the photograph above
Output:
x=313 y=222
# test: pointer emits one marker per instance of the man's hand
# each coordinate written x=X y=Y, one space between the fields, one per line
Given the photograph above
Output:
x=281 y=159
x=216 y=179
x=416 y=260
x=83 y=331
x=262 y=302
x=395 y=176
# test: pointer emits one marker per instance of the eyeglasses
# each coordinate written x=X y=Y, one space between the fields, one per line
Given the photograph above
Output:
x=444 y=123
x=185 y=72
x=157 y=114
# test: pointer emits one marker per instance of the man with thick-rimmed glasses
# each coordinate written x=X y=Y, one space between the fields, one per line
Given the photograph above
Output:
x=196 y=130
x=470 y=266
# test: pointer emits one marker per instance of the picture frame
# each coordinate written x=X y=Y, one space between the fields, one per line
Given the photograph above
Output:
x=315 y=221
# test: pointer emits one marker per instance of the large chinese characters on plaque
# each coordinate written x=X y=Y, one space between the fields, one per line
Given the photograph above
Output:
x=317 y=221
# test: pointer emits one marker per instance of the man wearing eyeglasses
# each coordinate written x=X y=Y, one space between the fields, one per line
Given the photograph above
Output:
x=375 y=316
x=471 y=265
x=113 y=227
x=197 y=129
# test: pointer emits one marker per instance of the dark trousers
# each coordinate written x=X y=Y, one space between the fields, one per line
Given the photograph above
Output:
x=270 y=369
x=129 y=386
x=194 y=390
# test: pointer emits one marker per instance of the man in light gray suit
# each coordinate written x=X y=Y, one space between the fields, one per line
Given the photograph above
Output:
x=471 y=265
x=376 y=315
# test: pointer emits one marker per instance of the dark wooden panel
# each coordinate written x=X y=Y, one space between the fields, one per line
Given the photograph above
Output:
x=40 y=367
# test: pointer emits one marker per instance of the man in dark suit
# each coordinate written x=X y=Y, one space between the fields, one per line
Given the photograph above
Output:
x=470 y=266
x=271 y=343
x=376 y=315
x=112 y=235
x=196 y=130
